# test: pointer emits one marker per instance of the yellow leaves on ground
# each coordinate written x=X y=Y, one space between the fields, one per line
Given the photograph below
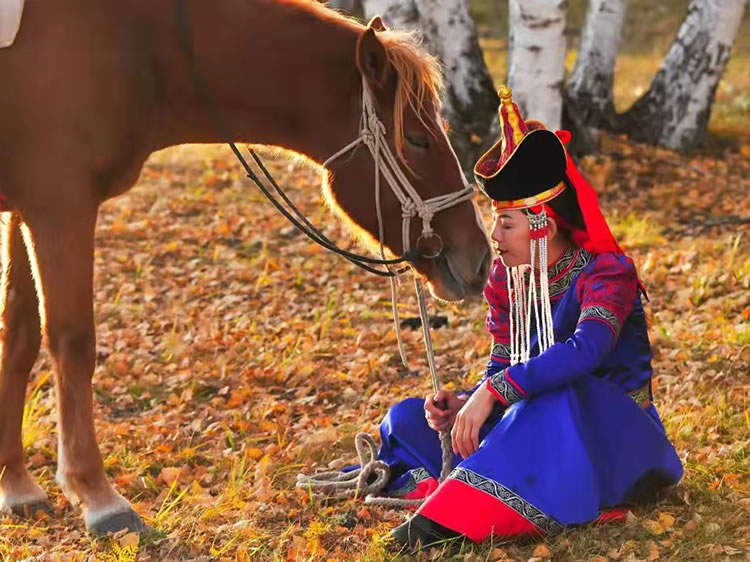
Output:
x=542 y=552
x=653 y=527
x=666 y=520
x=658 y=527
x=232 y=356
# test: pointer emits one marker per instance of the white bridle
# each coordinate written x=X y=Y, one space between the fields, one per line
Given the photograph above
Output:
x=372 y=133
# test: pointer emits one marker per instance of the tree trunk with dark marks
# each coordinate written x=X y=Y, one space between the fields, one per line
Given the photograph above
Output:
x=470 y=102
x=536 y=58
x=397 y=14
x=674 y=112
x=589 y=94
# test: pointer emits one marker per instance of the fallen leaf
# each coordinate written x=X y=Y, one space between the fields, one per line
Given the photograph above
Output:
x=666 y=520
x=129 y=540
x=169 y=474
x=325 y=435
x=499 y=555
x=653 y=527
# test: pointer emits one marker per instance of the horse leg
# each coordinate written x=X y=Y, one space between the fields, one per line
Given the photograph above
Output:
x=20 y=340
x=63 y=244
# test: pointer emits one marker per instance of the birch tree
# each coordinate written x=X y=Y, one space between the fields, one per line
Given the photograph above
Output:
x=536 y=58
x=448 y=31
x=399 y=15
x=590 y=86
x=675 y=110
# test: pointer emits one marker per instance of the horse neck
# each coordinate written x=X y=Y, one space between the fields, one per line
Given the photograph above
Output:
x=279 y=72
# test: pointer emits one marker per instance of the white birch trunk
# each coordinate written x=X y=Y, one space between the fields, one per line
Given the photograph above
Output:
x=401 y=14
x=674 y=112
x=448 y=31
x=536 y=66
x=590 y=85
x=470 y=103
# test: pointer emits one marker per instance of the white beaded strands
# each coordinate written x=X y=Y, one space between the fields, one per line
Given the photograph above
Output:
x=532 y=298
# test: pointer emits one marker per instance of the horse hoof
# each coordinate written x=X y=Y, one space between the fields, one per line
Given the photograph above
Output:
x=129 y=520
x=32 y=510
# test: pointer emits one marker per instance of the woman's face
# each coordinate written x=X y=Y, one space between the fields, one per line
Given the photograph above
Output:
x=510 y=237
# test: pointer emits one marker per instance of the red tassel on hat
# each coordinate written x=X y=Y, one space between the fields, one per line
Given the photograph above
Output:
x=600 y=238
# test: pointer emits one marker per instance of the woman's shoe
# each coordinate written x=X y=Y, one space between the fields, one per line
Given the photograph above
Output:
x=419 y=530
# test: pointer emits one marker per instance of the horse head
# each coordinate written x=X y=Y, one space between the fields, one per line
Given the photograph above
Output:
x=449 y=241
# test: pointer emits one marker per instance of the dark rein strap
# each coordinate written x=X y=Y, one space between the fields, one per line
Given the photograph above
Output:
x=297 y=218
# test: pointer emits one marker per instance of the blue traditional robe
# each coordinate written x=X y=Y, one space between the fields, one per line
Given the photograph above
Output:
x=573 y=434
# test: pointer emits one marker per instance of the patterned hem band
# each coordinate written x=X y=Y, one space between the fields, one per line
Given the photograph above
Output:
x=532 y=514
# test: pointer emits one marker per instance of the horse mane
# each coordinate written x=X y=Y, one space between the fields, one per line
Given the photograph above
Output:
x=419 y=83
x=420 y=76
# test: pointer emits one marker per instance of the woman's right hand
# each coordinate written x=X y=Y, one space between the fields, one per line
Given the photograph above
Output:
x=440 y=409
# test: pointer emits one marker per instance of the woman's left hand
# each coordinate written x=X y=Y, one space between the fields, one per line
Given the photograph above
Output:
x=469 y=420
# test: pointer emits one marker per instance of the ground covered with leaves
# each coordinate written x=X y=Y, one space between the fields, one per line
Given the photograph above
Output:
x=233 y=354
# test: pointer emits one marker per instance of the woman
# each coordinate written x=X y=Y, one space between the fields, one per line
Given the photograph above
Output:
x=561 y=429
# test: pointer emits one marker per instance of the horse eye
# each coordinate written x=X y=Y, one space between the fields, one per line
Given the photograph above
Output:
x=418 y=141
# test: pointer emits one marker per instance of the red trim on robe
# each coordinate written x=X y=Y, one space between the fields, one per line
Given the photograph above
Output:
x=614 y=515
x=499 y=358
x=474 y=514
x=477 y=515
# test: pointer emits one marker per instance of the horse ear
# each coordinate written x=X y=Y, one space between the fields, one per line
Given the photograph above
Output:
x=372 y=59
x=377 y=24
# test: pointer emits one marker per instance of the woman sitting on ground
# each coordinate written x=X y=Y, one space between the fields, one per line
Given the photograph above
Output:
x=561 y=430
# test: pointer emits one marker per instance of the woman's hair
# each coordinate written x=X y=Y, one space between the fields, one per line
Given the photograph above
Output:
x=566 y=205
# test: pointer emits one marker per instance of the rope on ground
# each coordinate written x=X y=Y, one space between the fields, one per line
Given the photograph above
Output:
x=356 y=483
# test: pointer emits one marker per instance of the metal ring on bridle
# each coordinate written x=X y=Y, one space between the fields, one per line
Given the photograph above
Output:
x=425 y=254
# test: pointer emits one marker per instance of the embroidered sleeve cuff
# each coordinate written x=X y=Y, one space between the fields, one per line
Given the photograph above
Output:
x=601 y=314
x=500 y=353
x=504 y=390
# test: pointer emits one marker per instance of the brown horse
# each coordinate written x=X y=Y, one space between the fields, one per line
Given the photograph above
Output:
x=92 y=87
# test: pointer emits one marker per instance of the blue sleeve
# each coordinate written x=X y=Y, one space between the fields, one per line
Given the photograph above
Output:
x=559 y=366
x=606 y=293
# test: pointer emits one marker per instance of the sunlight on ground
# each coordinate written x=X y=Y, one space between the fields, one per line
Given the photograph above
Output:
x=233 y=354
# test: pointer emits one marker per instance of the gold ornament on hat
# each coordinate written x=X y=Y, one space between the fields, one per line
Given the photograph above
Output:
x=506 y=99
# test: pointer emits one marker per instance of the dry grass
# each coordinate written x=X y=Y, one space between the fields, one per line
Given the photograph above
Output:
x=226 y=366
x=233 y=354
